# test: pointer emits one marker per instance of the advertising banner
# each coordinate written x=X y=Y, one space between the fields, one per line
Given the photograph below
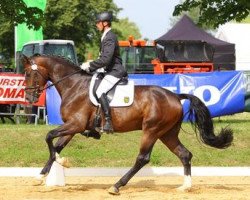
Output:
x=222 y=92
x=12 y=90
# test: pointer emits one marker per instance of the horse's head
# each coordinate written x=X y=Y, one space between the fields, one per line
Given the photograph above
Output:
x=36 y=77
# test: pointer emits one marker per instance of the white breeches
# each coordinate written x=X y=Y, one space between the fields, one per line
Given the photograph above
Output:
x=107 y=83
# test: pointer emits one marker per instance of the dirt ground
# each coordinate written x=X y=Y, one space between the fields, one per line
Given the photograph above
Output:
x=139 y=188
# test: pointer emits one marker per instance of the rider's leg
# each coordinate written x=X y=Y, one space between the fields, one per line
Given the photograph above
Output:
x=107 y=83
x=108 y=127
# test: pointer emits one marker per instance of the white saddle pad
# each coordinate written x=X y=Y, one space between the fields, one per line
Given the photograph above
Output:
x=124 y=94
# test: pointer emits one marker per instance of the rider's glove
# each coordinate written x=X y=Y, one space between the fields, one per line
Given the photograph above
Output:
x=85 y=66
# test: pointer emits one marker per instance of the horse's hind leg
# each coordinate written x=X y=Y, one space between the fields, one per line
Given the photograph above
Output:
x=172 y=141
x=185 y=156
x=143 y=158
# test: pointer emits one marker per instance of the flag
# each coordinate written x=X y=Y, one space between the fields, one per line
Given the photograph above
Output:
x=22 y=33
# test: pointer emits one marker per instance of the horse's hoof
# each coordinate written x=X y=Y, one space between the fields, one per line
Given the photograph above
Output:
x=64 y=162
x=39 y=180
x=184 y=188
x=40 y=176
x=113 y=190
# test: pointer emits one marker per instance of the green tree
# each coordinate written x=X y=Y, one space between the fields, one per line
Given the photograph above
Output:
x=216 y=12
x=194 y=14
x=6 y=39
x=17 y=12
x=247 y=20
x=73 y=20
x=13 y=12
x=123 y=28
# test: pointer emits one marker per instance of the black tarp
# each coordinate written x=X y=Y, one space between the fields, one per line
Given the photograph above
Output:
x=186 y=30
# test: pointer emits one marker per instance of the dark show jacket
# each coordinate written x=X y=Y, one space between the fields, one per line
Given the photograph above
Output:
x=109 y=57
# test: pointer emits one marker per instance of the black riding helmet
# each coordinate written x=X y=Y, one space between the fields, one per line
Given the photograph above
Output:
x=104 y=16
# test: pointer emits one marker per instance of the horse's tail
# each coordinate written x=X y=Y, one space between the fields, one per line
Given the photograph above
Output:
x=199 y=115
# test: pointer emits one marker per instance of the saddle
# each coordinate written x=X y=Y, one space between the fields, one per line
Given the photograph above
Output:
x=121 y=95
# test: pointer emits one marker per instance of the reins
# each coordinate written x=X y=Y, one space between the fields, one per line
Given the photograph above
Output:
x=65 y=77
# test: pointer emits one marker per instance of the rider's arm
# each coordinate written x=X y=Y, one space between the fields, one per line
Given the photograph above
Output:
x=106 y=56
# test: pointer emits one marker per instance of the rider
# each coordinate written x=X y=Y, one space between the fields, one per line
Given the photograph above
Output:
x=110 y=60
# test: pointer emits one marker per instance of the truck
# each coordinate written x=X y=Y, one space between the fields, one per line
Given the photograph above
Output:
x=147 y=57
x=137 y=55
x=64 y=48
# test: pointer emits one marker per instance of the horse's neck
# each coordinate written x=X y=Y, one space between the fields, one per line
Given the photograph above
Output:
x=65 y=80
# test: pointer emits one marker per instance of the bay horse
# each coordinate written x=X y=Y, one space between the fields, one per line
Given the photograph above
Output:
x=156 y=111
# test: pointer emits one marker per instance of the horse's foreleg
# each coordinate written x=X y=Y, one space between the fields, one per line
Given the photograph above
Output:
x=60 y=144
x=52 y=157
x=142 y=159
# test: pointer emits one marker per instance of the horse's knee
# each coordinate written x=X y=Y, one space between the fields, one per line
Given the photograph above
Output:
x=49 y=136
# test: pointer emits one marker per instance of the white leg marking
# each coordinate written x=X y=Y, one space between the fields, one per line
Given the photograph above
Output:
x=187 y=184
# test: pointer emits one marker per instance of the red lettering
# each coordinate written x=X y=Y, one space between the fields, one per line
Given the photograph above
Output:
x=1 y=91
x=20 y=94
x=21 y=82
x=12 y=88
x=6 y=82
x=10 y=93
x=13 y=82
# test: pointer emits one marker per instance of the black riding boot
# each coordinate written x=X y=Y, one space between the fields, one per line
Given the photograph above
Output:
x=107 y=114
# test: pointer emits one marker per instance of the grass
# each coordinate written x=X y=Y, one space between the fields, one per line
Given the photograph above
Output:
x=24 y=146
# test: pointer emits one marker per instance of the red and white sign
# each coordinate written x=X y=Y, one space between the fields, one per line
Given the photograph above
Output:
x=12 y=89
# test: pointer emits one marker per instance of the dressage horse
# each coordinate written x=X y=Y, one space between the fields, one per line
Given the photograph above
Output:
x=156 y=111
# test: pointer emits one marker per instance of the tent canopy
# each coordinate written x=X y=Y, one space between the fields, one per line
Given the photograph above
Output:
x=186 y=30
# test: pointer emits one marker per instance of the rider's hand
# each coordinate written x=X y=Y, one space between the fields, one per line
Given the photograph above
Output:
x=85 y=66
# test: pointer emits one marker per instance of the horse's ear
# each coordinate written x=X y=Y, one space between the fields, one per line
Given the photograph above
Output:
x=25 y=60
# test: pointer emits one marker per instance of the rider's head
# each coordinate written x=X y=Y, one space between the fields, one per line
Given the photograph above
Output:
x=103 y=20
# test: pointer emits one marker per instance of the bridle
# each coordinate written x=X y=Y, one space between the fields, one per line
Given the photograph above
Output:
x=37 y=90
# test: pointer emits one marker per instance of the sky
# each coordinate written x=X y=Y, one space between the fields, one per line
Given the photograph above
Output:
x=152 y=17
